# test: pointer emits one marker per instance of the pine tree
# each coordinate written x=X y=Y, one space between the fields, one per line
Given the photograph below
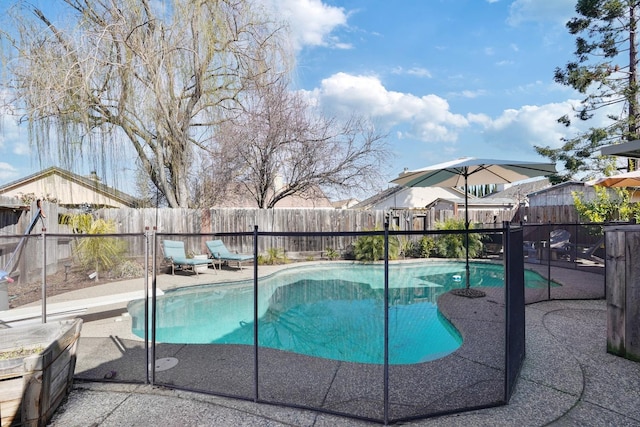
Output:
x=605 y=33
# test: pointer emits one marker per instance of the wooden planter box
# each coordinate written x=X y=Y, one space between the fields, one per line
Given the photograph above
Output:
x=33 y=386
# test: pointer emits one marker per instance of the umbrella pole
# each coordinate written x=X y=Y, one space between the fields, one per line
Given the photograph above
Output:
x=467 y=291
x=466 y=228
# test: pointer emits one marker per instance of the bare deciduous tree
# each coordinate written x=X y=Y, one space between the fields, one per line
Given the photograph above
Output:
x=281 y=146
x=130 y=71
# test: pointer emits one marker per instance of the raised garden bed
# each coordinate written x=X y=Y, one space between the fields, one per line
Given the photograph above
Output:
x=37 y=364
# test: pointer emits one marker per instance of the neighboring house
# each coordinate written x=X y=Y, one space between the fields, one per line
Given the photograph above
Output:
x=399 y=197
x=69 y=189
x=556 y=204
x=345 y=204
x=237 y=196
x=441 y=202
x=520 y=191
x=313 y=199
x=484 y=210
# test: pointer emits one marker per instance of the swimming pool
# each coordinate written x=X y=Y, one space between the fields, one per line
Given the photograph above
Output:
x=328 y=310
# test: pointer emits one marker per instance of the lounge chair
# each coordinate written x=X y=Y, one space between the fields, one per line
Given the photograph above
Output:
x=174 y=253
x=220 y=253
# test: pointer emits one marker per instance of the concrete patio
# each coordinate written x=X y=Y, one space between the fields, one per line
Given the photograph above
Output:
x=567 y=377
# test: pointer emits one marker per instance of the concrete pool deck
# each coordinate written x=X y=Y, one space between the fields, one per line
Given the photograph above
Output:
x=567 y=377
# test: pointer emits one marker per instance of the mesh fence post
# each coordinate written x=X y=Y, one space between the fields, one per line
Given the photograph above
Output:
x=152 y=349
x=386 y=321
x=148 y=237
x=255 y=314
x=44 y=275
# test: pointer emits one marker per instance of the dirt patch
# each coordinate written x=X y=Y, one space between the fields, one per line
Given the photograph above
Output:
x=58 y=283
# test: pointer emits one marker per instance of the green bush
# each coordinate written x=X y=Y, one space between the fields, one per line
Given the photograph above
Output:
x=99 y=254
x=453 y=245
x=606 y=206
x=331 y=254
x=273 y=256
x=371 y=248
x=422 y=248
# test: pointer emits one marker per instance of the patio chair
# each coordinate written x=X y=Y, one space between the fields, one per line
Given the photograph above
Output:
x=220 y=253
x=174 y=253
x=561 y=247
x=529 y=250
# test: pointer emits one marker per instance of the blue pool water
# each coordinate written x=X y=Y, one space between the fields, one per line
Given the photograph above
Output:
x=329 y=310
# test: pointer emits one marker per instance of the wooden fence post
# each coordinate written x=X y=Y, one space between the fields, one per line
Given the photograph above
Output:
x=622 y=281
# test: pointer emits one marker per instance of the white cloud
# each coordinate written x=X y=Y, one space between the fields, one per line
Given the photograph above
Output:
x=425 y=118
x=528 y=126
x=414 y=71
x=11 y=137
x=429 y=119
x=481 y=119
x=557 y=11
x=312 y=22
x=7 y=172
x=473 y=93
x=21 y=148
x=14 y=148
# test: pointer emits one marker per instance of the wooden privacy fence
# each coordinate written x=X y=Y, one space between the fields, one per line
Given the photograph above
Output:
x=212 y=221
x=242 y=220
x=230 y=221
x=191 y=221
x=541 y=214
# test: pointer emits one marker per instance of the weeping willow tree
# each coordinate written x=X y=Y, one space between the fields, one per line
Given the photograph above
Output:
x=137 y=76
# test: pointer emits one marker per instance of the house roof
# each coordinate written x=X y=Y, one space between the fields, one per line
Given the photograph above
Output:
x=520 y=191
x=428 y=195
x=345 y=204
x=88 y=183
x=376 y=198
x=557 y=187
x=509 y=196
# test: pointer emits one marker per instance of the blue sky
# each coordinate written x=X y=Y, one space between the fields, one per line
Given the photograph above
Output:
x=445 y=78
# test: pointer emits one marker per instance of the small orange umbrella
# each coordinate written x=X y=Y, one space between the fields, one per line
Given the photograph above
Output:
x=629 y=179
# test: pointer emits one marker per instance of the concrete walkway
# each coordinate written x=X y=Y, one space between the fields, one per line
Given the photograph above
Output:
x=567 y=379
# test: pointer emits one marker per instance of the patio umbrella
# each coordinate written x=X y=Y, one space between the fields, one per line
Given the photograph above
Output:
x=629 y=179
x=471 y=171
